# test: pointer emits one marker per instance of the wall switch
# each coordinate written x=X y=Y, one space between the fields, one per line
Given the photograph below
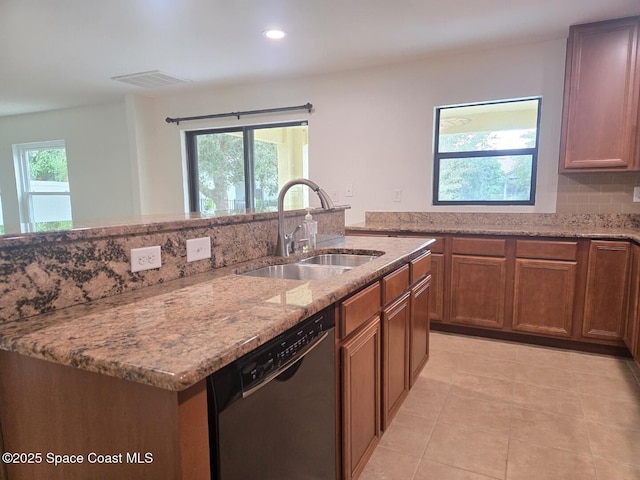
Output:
x=636 y=194
x=145 y=258
x=348 y=190
x=397 y=195
x=198 y=249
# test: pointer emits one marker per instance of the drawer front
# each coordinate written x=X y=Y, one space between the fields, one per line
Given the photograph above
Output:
x=359 y=308
x=546 y=250
x=480 y=246
x=395 y=284
x=420 y=267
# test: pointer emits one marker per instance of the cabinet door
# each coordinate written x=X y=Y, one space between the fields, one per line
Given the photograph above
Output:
x=478 y=286
x=602 y=85
x=544 y=296
x=395 y=357
x=419 y=327
x=360 y=357
x=436 y=303
x=606 y=294
x=631 y=334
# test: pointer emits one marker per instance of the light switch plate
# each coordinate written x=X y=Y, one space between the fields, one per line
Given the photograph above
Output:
x=198 y=249
x=636 y=194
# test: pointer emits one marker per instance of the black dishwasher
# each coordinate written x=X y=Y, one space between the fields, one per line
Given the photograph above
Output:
x=272 y=412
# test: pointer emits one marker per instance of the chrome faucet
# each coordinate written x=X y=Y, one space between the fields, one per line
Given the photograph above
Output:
x=284 y=240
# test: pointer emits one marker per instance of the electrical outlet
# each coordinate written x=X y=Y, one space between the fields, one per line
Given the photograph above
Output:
x=636 y=194
x=198 y=249
x=348 y=190
x=397 y=195
x=145 y=258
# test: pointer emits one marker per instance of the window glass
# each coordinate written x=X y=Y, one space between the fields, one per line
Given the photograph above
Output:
x=43 y=184
x=486 y=153
x=244 y=167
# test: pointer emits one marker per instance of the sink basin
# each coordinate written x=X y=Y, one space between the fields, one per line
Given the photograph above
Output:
x=298 y=271
x=339 y=259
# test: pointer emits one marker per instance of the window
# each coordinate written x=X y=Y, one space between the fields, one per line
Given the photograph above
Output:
x=486 y=153
x=43 y=184
x=244 y=167
x=1 y=218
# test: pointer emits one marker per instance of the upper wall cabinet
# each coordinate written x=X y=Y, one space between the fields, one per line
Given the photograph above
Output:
x=600 y=130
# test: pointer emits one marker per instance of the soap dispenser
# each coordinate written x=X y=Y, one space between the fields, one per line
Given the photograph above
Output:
x=311 y=229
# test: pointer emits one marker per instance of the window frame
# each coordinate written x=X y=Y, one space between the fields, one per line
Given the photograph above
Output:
x=438 y=156
x=249 y=161
x=23 y=182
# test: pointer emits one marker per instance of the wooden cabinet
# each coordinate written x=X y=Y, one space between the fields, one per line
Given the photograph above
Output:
x=360 y=360
x=395 y=359
x=419 y=330
x=478 y=283
x=396 y=316
x=600 y=129
x=383 y=339
x=631 y=334
x=438 y=268
x=360 y=377
x=68 y=411
x=606 y=294
x=545 y=287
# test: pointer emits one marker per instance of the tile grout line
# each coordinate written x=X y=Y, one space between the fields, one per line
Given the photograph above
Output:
x=586 y=424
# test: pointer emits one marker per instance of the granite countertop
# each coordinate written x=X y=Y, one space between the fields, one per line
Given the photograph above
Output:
x=530 y=225
x=174 y=334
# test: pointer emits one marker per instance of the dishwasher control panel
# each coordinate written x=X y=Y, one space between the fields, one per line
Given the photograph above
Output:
x=284 y=349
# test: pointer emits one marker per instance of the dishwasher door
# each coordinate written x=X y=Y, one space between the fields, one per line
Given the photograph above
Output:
x=283 y=429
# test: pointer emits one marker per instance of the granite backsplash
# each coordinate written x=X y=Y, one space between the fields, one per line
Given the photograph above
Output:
x=43 y=272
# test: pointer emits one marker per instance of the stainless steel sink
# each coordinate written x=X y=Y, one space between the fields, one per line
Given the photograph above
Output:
x=339 y=259
x=298 y=271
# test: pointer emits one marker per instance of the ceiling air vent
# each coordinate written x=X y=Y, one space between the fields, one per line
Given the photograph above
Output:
x=152 y=79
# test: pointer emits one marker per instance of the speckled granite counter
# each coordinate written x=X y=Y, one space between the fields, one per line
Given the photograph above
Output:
x=624 y=227
x=173 y=334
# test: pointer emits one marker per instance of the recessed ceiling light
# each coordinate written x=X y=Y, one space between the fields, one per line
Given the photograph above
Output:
x=274 y=34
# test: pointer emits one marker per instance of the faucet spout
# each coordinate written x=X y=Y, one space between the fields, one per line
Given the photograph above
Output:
x=284 y=240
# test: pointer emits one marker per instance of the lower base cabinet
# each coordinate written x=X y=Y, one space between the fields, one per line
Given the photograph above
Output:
x=606 y=298
x=544 y=296
x=420 y=323
x=360 y=357
x=383 y=343
x=478 y=291
x=395 y=360
x=631 y=335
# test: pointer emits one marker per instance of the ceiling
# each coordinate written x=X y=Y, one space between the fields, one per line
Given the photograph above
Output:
x=62 y=53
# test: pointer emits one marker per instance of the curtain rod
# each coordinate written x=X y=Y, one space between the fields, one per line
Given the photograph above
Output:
x=306 y=106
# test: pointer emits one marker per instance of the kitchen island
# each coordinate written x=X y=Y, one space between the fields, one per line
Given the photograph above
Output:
x=120 y=381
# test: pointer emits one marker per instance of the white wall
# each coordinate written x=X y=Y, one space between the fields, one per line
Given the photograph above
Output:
x=370 y=128
x=373 y=128
x=97 y=145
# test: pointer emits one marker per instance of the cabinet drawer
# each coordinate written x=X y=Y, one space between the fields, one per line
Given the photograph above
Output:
x=480 y=246
x=420 y=267
x=359 y=308
x=395 y=284
x=546 y=250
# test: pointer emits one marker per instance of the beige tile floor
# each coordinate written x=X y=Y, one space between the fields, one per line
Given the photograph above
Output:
x=485 y=409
